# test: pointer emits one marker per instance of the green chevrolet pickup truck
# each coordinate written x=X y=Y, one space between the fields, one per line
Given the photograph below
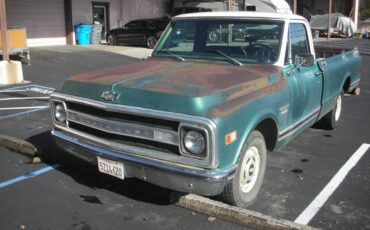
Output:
x=220 y=92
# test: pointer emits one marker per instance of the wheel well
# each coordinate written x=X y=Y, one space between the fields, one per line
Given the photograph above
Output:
x=268 y=129
x=347 y=84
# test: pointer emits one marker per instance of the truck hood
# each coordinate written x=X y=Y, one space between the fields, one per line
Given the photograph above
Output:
x=184 y=87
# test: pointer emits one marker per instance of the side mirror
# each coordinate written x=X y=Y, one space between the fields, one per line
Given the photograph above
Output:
x=302 y=60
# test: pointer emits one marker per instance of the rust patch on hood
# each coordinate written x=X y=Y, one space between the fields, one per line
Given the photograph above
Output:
x=198 y=79
x=244 y=95
x=113 y=75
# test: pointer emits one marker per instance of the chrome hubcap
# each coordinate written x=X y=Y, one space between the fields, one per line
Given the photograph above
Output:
x=339 y=108
x=151 y=42
x=249 y=169
x=213 y=36
x=110 y=39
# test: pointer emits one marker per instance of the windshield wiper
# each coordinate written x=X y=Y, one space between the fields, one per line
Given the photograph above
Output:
x=177 y=57
x=231 y=59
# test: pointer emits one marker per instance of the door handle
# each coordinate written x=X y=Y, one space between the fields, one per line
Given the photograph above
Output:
x=319 y=73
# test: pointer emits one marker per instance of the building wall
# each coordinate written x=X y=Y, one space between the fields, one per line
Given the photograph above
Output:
x=82 y=12
x=44 y=20
x=136 y=9
x=120 y=11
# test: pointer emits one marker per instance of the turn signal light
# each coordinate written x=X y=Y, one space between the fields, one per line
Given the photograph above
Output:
x=230 y=138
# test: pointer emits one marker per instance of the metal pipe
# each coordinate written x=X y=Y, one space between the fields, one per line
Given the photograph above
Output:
x=295 y=6
x=3 y=27
x=329 y=17
x=356 y=8
x=230 y=5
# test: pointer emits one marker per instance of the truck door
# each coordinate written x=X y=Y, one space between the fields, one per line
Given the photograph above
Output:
x=305 y=83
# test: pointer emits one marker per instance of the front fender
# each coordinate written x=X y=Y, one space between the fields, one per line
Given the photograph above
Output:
x=243 y=122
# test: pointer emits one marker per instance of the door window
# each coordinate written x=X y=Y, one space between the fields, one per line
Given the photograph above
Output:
x=149 y=25
x=134 y=25
x=298 y=41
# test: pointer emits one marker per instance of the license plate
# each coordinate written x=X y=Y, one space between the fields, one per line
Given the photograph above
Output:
x=112 y=168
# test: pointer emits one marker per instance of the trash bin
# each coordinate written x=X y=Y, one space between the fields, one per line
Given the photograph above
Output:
x=83 y=34
x=96 y=33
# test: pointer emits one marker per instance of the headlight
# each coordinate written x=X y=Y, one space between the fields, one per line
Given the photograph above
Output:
x=194 y=142
x=60 y=113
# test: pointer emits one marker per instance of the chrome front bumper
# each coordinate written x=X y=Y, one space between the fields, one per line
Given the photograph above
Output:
x=189 y=180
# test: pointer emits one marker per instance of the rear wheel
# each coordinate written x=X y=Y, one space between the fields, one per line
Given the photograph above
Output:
x=151 y=41
x=330 y=120
x=112 y=40
x=242 y=190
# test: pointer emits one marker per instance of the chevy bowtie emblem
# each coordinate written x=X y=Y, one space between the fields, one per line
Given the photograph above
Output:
x=110 y=95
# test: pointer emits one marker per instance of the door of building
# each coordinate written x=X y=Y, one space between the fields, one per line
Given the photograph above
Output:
x=101 y=16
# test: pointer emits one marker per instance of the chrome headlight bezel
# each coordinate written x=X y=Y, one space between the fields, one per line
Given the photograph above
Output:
x=59 y=106
x=196 y=130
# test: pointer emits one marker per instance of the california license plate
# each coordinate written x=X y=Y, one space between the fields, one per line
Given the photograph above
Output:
x=112 y=168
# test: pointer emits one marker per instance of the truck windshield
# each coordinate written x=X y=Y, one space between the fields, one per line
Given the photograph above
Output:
x=242 y=40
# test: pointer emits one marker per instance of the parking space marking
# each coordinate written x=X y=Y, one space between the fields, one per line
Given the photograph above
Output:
x=21 y=113
x=25 y=107
x=306 y=216
x=28 y=175
x=24 y=88
x=22 y=98
x=32 y=87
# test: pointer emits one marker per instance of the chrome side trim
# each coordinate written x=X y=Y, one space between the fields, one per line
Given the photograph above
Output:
x=124 y=129
x=211 y=161
x=288 y=131
x=355 y=82
x=354 y=85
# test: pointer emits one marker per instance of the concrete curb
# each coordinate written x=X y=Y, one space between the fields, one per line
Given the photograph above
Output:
x=237 y=215
x=17 y=145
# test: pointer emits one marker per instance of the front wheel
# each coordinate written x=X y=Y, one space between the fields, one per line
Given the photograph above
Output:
x=242 y=190
x=112 y=40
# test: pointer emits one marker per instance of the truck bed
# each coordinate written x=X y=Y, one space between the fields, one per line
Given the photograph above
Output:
x=325 y=52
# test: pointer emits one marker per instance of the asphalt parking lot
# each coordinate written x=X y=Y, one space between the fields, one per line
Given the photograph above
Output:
x=67 y=194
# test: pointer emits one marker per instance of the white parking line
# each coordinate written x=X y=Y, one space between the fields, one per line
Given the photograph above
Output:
x=24 y=88
x=22 y=98
x=25 y=107
x=21 y=113
x=306 y=216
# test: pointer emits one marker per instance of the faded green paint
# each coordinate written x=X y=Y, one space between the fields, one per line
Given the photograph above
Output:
x=235 y=98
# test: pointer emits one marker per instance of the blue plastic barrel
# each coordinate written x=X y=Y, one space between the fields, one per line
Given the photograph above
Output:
x=83 y=34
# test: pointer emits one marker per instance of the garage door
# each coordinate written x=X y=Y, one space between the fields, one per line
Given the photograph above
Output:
x=44 y=20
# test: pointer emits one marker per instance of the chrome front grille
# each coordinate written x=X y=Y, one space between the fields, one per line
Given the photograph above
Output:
x=135 y=131
x=125 y=128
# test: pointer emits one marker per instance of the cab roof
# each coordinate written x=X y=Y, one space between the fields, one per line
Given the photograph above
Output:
x=241 y=14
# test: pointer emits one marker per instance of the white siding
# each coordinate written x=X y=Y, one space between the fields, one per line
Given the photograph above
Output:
x=136 y=9
x=44 y=20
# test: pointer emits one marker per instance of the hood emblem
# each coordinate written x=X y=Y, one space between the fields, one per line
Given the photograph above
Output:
x=110 y=95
